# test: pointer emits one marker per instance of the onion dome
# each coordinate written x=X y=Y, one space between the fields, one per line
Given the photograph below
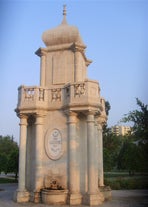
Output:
x=62 y=34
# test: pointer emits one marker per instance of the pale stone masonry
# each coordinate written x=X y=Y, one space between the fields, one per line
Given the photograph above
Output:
x=61 y=124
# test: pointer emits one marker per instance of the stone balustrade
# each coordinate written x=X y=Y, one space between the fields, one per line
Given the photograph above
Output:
x=32 y=97
x=80 y=93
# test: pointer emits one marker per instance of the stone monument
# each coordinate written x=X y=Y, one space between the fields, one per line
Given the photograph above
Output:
x=60 y=160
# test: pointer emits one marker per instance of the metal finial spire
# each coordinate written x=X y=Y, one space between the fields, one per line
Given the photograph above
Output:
x=64 y=9
x=64 y=15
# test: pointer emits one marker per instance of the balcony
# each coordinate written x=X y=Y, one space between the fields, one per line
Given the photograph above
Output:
x=78 y=96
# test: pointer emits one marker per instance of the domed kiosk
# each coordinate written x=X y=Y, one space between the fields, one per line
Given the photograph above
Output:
x=61 y=121
x=62 y=34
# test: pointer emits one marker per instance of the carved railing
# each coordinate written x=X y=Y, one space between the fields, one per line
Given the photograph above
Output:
x=80 y=93
x=32 y=97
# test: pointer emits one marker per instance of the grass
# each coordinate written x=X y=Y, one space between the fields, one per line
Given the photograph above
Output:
x=118 y=181
x=8 y=180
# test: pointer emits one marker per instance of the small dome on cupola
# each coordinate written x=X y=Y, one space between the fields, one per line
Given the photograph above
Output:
x=62 y=34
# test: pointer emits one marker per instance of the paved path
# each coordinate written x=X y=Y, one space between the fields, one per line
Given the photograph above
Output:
x=120 y=198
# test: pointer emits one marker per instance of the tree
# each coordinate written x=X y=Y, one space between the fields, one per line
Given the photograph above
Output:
x=140 y=121
x=130 y=157
x=13 y=161
x=111 y=148
x=8 y=155
x=3 y=162
x=136 y=151
x=106 y=130
x=107 y=107
x=111 y=145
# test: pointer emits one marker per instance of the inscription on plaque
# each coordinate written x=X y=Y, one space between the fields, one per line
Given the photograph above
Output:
x=53 y=144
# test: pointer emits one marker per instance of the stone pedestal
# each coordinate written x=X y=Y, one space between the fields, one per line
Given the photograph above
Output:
x=60 y=143
x=21 y=196
x=35 y=196
x=94 y=199
x=106 y=191
x=75 y=199
x=54 y=197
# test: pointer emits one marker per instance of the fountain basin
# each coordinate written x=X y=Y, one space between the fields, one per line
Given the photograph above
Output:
x=54 y=197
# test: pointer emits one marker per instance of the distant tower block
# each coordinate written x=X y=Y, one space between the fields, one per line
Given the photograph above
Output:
x=61 y=126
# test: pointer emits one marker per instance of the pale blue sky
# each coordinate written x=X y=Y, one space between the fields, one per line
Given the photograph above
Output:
x=116 y=35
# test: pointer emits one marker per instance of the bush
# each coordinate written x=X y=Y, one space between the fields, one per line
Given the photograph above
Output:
x=7 y=180
x=127 y=183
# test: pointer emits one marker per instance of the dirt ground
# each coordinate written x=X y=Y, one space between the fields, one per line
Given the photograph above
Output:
x=120 y=198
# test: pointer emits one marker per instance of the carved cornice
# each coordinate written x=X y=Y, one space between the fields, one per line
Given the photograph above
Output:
x=41 y=52
x=72 y=116
x=102 y=119
x=78 y=47
x=53 y=48
x=81 y=48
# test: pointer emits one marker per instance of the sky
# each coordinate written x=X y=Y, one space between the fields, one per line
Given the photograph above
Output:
x=114 y=31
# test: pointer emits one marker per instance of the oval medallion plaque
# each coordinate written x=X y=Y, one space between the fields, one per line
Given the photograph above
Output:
x=53 y=144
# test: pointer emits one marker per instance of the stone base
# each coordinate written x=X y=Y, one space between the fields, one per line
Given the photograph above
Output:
x=75 y=199
x=54 y=197
x=35 y=197
x=21 y=196
x=106 y=191
x=93 y=199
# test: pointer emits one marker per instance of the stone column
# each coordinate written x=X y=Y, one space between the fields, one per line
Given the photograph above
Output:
x=100 y=156
x=74 y=171
x=39 y=146
x=92 y=154
x=76 y=61
x=21 y=195
x=105 y=190
x=97 y=141
x=42 y=69
x=94 y=197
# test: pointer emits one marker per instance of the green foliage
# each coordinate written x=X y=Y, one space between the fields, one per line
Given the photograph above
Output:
x=107 y=160
x=13 y=161
x=140 y=121
x=3 y=162
x=7 y=180
x=128 y=152
x=130 y=157
x=134 y=154
x=107 y=107
x=106 y=130
x=111 y=148
x=118 y=183
x=9 y=154
x=111 y=145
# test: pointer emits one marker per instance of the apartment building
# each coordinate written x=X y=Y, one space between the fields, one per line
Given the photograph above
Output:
x=121 y=130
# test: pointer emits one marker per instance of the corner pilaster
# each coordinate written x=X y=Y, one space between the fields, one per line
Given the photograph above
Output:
x=93 y=196
x=101 y=120
x=41 y=52
x=100 y=156
x=75 y=197
x=21 y=194
x=39 y=146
